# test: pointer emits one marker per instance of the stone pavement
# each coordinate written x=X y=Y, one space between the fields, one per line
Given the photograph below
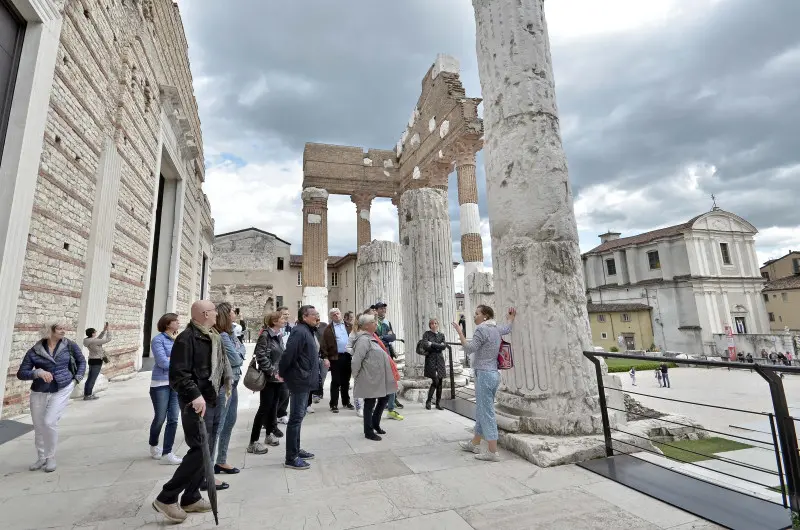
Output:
x=415 y=478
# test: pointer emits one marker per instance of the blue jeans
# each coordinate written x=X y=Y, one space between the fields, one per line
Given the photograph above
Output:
x=227 y=421
x=486 y=384
x=165 y=407
x=298 y=402
x=390 y=402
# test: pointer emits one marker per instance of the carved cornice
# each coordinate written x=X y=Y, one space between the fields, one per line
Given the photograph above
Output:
x=171 y=101
x=44 y=11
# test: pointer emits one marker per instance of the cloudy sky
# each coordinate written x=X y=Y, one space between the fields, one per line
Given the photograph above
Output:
x=662 y=103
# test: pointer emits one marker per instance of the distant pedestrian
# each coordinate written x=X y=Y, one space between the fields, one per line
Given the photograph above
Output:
x=632 y=373
x=432 y=346
x=665 y=374
x=658 y=376
x=97 y=356
x=55 y=364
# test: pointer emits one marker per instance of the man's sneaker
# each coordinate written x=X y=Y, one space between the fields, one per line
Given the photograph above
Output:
x=200 y=506
x=39 y=464
x=94 y=396
x=310 y=410
x=277 y=433
x=469 y=447
x=284 y=420
x=315 y=399
x=171 y=459
x=488 y=456
x=305 y=455
x=155 y=452
x=397 y=404
x=349 y=406
x=257 y=448
x=297 y=463
x=392 y=414
x=335 y=410
x=172 y=512
x=272 y=440
x=50 y=465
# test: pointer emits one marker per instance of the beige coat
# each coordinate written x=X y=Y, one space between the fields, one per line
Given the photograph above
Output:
x=372 y=369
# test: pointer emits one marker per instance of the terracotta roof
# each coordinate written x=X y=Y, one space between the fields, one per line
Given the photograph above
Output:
x=783 y=284
x=647 y=237
x=617 y=308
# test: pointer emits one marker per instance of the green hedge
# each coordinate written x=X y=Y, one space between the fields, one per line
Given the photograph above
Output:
x=624 y=365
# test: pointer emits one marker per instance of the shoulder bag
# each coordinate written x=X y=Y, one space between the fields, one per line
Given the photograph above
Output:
x=505 y=357
x=254 y=379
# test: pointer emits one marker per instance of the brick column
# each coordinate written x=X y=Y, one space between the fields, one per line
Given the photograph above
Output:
x=363 y=204
x=315 y=249
x=471 y=243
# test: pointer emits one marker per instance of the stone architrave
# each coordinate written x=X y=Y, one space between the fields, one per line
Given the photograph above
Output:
x=480 y=290
x=315 y=249
x=428 y=289
x=536 y=258
x=379 y=277
x=363 y=204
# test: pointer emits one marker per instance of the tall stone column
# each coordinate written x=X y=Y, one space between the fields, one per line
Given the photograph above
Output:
x=536 y=258
x=471 y=243
x=427 y=269
x=379 y=276
x=400 y=221
x=481 y=290
x=315 y=249
x=363 y=204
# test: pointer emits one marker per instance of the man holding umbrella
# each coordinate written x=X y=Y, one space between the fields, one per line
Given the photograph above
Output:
x=198 y=369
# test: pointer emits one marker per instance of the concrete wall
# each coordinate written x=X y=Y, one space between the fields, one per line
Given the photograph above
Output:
x=754 y=343
x=344 y=292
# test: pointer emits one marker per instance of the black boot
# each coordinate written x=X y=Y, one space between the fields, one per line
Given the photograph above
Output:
x=439 y=396
x=430 y=397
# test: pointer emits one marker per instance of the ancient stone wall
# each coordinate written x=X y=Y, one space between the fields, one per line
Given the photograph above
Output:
x=248 y=250
x=113 y=61
x=253 y=301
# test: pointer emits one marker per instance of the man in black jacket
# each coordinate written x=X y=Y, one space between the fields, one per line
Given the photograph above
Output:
x=300 y=369
x=190 y=375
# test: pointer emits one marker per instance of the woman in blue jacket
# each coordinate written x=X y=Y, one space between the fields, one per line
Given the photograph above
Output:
x=54 y=364
x=165 y=400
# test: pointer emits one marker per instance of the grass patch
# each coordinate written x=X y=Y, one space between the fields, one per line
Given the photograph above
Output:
x=624 y=365
x=707 y=446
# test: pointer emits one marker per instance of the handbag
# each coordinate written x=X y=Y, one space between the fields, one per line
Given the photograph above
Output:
x=105 y=359
x=505 y=358
x=421 y=348
x=254 y=379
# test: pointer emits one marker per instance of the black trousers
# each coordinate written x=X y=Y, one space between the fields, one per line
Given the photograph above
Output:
x=190 y=472
x=340 y=379
x=373 y=411
x=283 y=403
x=436 y=385
x=267 y=414
x=94 y=371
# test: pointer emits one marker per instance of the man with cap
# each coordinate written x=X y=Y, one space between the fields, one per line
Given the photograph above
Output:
x=386 y=334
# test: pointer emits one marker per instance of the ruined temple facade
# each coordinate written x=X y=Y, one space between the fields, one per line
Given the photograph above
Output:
x=103 y=214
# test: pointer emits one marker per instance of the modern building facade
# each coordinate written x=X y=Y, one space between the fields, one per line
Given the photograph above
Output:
x=699 y=278
x=255 y=271
x=102 y=211
x=630 y=322
x=781 y=294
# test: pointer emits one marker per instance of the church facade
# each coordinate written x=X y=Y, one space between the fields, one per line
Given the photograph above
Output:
x=103 y=214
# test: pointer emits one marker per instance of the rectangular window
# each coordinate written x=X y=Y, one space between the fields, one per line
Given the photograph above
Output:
x=299 y=278
x=280 y=264
x=766 y=297
x=652 y=259
x=278 y=302
x=604 y=335
x=299 y=304
x=785 y=297
x=335 y=304
x=765 y=275
x=626 y=317
x=611 y=267
x=726 y=253
x=334 y=279
x=346 y=277
x=772 y=317
x=601 y=318
x=796 y=265
x=741 y=325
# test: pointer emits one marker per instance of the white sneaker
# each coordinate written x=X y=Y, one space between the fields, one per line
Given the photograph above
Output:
x=310 y=409
x=488 y=456
x=469 y=447
x=171 y=459
x=359 y=413
x=155 y=452
x=39 y=464
x=272 y=440
x=50 y=465
x=284 y=420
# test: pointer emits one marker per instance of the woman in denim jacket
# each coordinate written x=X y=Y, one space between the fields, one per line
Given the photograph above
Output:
x=235 y=351
x=165 y=400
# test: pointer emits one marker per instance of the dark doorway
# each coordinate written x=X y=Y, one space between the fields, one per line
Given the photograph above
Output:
x=12 y=31
x=204 y=278
x=151 y=290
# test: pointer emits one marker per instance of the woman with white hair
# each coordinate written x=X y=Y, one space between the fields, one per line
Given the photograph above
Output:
x=374 y=378
x=55 y=364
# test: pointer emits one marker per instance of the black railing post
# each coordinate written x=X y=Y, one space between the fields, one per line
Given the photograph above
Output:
x=603 y=408
x=786 y=435
x=778 y=458
x=452 y=375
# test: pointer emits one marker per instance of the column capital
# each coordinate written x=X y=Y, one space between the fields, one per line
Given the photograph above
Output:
x=465 y=150
x=312 y=195
x=362 y=200
x=436 y=174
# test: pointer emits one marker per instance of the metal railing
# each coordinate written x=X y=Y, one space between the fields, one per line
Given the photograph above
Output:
x=783 y=442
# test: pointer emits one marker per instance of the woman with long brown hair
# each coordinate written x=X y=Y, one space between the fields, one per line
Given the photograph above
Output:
x=235 y=351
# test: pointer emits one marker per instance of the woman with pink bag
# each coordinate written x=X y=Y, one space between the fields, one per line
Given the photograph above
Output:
x=485 y=348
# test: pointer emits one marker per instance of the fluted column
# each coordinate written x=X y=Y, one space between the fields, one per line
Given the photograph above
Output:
x=481 y=290
x=379 y=276
x=471 y=243
x=363 y=204
x=536 y=258
x=315 y=249
x=427 y=268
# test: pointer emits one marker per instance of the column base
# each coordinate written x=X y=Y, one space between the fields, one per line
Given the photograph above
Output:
x=552 y=414
x=318 y=297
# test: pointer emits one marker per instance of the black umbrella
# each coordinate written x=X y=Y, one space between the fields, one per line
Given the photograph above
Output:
x=208 y=467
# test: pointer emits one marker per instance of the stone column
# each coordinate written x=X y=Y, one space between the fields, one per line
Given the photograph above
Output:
x=315 y=249
x=363 y=204
x=536 y=258
x=471 y=243
x=427 y=269
x=379 y=276
x=400 y=221
x=481 y=290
